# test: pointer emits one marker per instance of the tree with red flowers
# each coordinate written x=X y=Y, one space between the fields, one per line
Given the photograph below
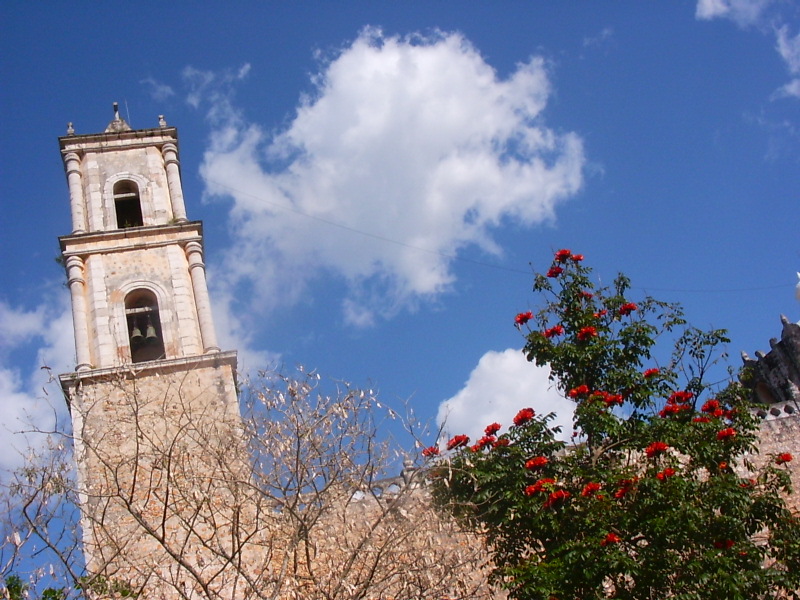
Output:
x=654 y=496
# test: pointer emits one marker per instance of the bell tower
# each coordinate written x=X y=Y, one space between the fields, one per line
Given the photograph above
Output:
x=153 y=399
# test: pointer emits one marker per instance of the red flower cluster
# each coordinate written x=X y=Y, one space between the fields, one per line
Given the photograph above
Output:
x=701 y=420
x=587 y=332
x=710 y=406
x=676 y=403
x=656 y=448
x=625 y=486
x=668 y=472
x=581 y=390
x=587 y=295
x=555 y=271
x=501 y=442
x=492 y=429
x=553 y=331
x=650 y=373
x=726 y=434
x=563 y=255
x=724 y=544
x=783 y=458
x=457 y=442
x=576 y=257
x=537 y=462
x=542 y=485
x=608 y=398
x=590 y=489
x=627 y=308
x=523 y=318
x=611 y=538
x=484 y=442
x=600 y=314
x=556 y=497
x=431 y=451
x=523 y=416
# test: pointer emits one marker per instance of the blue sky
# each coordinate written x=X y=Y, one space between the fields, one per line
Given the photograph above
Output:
x=377 y=178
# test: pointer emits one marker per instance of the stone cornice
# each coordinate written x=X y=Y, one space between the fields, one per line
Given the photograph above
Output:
x=100 y=142
x=129 y=238
x=153 y=367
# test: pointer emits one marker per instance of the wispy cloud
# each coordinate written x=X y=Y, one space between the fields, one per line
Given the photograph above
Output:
x=501 y=384
x=408 y=150
x=789 y=49
x=743 y=12
x=768 y=17
x=605 y=35
x=158 y=91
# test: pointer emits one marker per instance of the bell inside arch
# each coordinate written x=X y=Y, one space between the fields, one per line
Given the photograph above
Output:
x=150 y=335
x=136 y=334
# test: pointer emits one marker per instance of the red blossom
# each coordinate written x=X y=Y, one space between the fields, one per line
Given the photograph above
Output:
x=722 y=465
x=523 y=318
x=587 y=332
x=457 y=442
x=537 y=462
x=502 y=442
x=668 y=472
x=625 y=486
x=563 y=255
x=581 y=390
x=701 y=420
x=680 y=397
x=590 y=488
x=656 y=448
x=611 y=399
x=710 y=406
x=431 y=451
x=492 y=429
x=649 y=373
x=523 y=416
x=726 y=434
x=556 y=497
x=555 y=271
x=576 y=257
x=611 y=538
x=600 y=314
x=724 y=544
x=627 y=308
x=485 y=441
x=587 y=295
x=540 y=486
x=553 y=331
x=783 y=458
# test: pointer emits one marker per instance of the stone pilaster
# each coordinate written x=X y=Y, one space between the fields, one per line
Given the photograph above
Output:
x=171 y=164
x=194 y=254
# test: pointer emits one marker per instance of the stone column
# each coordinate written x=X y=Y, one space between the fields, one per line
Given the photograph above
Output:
x=77 y=286
x=197 y=270
x=170 y=153
x=76 y=200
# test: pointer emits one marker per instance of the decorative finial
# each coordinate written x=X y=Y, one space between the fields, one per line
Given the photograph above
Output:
x=70 y=129
x=797 y=287
x=118 y=124
x=161 y=121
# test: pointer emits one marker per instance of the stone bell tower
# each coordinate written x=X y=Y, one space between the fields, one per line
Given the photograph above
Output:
x=153 y=399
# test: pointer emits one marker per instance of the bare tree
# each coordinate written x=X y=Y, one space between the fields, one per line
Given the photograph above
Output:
x=187 y=500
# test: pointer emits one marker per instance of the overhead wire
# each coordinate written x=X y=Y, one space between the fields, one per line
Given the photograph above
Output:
x=462 y=259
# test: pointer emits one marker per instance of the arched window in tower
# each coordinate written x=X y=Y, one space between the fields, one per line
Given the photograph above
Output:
x=127 y=204
x=144 y=326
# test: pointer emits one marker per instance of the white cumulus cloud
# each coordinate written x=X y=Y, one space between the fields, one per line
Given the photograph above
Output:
x=408 y=150
x=31 y=401
x=500 y=385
